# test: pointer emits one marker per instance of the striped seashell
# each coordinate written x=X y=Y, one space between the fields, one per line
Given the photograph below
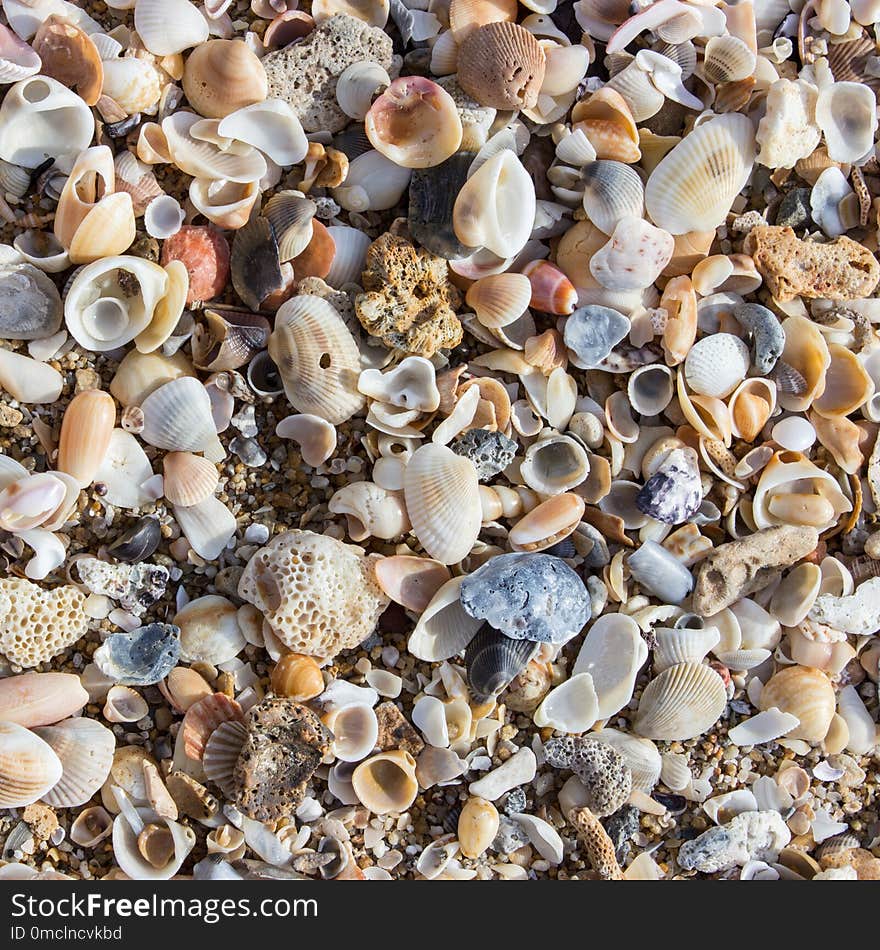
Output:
x=203 y=717
x=683 y=702
x=28 y=766
x=85 y=749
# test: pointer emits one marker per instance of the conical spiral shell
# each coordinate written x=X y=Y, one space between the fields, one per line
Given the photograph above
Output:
x=28 y=766
x=443 y=502
x=318 y=359
x=681 y=703
x=85 y=749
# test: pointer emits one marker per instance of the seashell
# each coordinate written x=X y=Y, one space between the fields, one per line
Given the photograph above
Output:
x=673 y=493
x=227 y=204
x=641 y=756
x=168 y=311
x=297 y=677
x=107 y=230
x=40 y=118
x=554 y=465
x=499 y=299
x=495 y=208
x=415 y=123
x=465 y=16
x=91 y=826
x=316 y=437
x=607 y=122
x=847 y=115
x=85 y=749
x=351 y=251
x=42 y=250
x=169 y=26
x=847 y=384
x=575 y=149
x=612 y=192
x=208 y=525
x=552 y=291
x=290 y=216
x=660 y=573
x=792 y=490
x=355 y=731
x=592 y=332
x=675 y=645
x=177 y=417
x=716 y=365
x=188 y=478
x=564 y=67
x=612 y=654
x=204 y=159
x=30 y=305
x=85 y=435
x=29 y=381
x=373 y=183
x=501 y=65
x=29 y=767
x=634 y=257
x=124 y=705
x=444 y=629
x=386 y=782
x=634 y=83
x=356 y=86
x=133 y=84
x=254 y=265
x=683 y=702
x=751 y=405
x=40 y=699
x=573 y=706
x=650 y=389
x=69 y=55
x=412 y=582
x=727 y=59
x=443 y=503
x=374 y=12
x=494 y=660
x=166 y=848
x=478 y=824
x=805 y=352
x=725 y=273
x=317 y=259
x=163 y=217
x=221 y=754
x=806 y=694
x=203 y=718
x=270 y=126
x=228 y=340
x=693 y=187
x=317 y=358
x=124 y=470
x=547 y=523
x=91 y=178
x=370 y=511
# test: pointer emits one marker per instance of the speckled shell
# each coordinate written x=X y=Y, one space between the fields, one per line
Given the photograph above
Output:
x=716 y=365
x=806 y=693
x=443 y=502
x=85 y=749
x=501 y=65
x=693 y=187
x=683 y=702
x=318 y=359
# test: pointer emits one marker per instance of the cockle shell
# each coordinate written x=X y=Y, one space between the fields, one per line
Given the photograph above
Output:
x=727 y=59
x=499 y=299
x=716 y=365
x=188 y=478
x=501 y=65
x=612 y=653
x=612 y=192
x=694 y=186
x=85 y=749
x=132 y=83
x=443 y=502
x=494 y=660
x=169 y=26
x=318 y=359
x=386 y=782
x=29 y=767
x=805 y=693
x=177 y=417
x=683 y=702
x=676 y=645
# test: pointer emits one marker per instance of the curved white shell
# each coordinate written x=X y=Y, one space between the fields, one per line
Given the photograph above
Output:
x=124 y=470
x=351 y=252
x=163 y=217
x=573 y=706
x=203 y=159
x=209 y=526
x=373 y=183
x=127 y=826
x=169 y=26
x=355 y=730
x=793 y=473
x=716 y=365
x=612 y=653
x=555 y=464
x=357 y=85
x=85 y=749
x=682 y=645
x=28 y=766
x=371 y=511
x=411 y=385
x=683 y=702
x=209 y=630
x=444 y=628
x=270 y=126
x=177 y=417
x=847 y=114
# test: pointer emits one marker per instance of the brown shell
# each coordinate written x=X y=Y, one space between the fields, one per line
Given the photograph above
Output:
x=223 y=75
x=70 y=56
x=501 y=65
x=228 y=340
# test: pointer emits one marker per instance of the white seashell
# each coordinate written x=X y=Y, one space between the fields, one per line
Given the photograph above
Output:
x=373 y=183
x=177 y=417
x=796 y=594
x=612 y=653
x=132 y=83
x=429 y=717
x=554 y=465
x=564 y=67
x=209 y=526
x=650 y=389
x=634 y=83
x=28 y=766
x=575 y=149
x=434 y=860
x=103 y=311
x=40 y=118
x=444 y=628
x=203 y=159
x=129 y=824
x=722 y=808
x=612 y=192
x=357 y=85
x=85 y=749
x=443 y=502
x=43 y=250
x=767 y=726
x=371 y=511
x=124 y=704
x=716 y=365
x=694 y=185
x=225 y=203
x=351 y=251
x=410 y=385
x=681 y=703
x=792 y=490
x=846 y=112
x=542 y=836
x=641 y=755
x=29 y=381
x=519 y=769
x=828 y=201
x=355 y=731
x=209 y=630
x=25 y=16
x=675 y=773
x=124 y=470
x=496 y=207
x=728 y=59
x=573 y=706
x=270 y=126
x=169 y=26
x=863 y=736
x=676 y=645
x=316 y=437
x=17 y=59
x=788 y=131
x=163 y=217
x=634 y=257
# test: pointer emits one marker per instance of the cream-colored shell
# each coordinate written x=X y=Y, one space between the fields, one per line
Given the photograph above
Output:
x=805 y=693
x=28 y=766
x=444 y=628
x=85 y=749
x=386 y=782
x=683 y=702
x=371 y=511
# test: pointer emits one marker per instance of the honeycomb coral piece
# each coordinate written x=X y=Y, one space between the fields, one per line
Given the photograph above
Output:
x=597 y=844
x=38 y=624
x=840 y=269
x=601 y=769
x=318 y=594
x=409 y=301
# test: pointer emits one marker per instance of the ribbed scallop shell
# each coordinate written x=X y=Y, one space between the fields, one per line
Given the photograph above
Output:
x=318 y=359
x=189 y=478
x=612 y=191
x=221 y=753
x=716 y=365
x=806 y=693
x=677 y=645
x=728 y=59
x=694 y=186
x=351 y=252
x=501 y=65
x=493 y=660
x=499 y=299
x=203 y=717
x=169 y=26
x=290 y=216
x=443 y=502
x=683 y=702
x=177 y=416
x=28 y=766
x=85 y=749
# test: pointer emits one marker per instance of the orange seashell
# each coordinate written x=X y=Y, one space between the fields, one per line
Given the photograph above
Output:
x=203 y=717
x=465 y=16
x=85 y=435
x=317 y=258
x=70 y=56
x=297 y=677
x=552 y=291
x=608 y=123
x=411 y=581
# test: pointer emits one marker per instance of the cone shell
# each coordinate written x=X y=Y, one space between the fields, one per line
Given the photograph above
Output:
x=222 y=76
x=28 y=766
x=189 y=478
x=443 y=502
x=501 y=65
x=85 y=749
x=318 y=359
x=499 y=299
x=694 y=186
x=386 y=782
x=803 y=692
x=683 y=702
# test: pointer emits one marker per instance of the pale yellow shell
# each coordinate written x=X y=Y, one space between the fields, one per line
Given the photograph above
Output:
x=806 y=693
x=386 y=782
x=477 y=826
x=683 y=702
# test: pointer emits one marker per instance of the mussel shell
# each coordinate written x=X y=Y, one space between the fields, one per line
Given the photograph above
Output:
x=142 y=657
x=432 y=194
x=138 y=542
x=493 y=661
x=254 y=264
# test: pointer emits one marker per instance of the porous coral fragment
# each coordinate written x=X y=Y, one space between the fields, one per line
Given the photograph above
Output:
x=36 y=624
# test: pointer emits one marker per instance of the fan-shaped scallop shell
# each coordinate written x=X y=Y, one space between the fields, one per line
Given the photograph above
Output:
x=318 y=359
x=177 y=417
x=85 y=749
x=728 y=59
x=675 y=645
x=221 y=753
x=28 y=766
x=716 y=365
x=683 y=702
x=612 y=191
x=443 y=502
x=694 y=186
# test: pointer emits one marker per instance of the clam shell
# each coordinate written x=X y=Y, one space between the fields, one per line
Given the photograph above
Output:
x=846 y=113
x=443 y=502
x=177 y=417
x=501 y=65
x=650 y=389
x=85 y=435
x=494 y=660
x=290 y=215
x=318 y=359
x=124 y=470
x=208 y=525
x=204 y=159
x=351 y=252
x=169 y=26
x=805 y=693
x=796 y=594
x=355 y=731
x=386 y=782
x=444 y=628
x=29 y=767
x=270 y=126
x=371 y=511
x=612 y=191
x=40 y=699
x=133 y=84
x=716 y=365
x=693 y=187
x=188 y=478
x=124 y=704
x=612 y=653
x=411 y=581
x=68 y=54
x=727 y=59
x=203 y=717
x=681 y=703
x=356 y=86
x=676 y=645
x=85 y=749
x=221 y=754
x=499 y=299
x=573 y=706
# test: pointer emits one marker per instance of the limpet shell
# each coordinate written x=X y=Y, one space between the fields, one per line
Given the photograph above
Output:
x=681 y=703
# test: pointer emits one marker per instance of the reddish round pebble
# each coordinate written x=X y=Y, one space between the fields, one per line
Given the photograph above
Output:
x=204 y=252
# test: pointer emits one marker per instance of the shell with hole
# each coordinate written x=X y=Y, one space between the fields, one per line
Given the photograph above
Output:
x=555 y=464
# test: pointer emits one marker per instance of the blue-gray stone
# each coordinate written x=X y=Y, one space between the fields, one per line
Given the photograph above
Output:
x=491 y=452
x=142 y=657
x=592 y=332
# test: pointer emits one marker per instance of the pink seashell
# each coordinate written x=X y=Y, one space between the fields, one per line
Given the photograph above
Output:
x=40 y=699
x=203 y=717
x=552 y=291
x=411 y=581
x=27 y=503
